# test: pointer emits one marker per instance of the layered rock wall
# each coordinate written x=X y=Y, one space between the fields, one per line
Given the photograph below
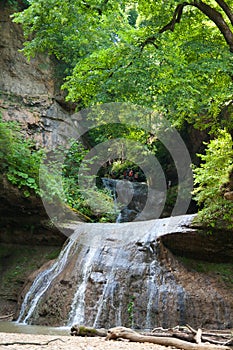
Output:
x=29 y=90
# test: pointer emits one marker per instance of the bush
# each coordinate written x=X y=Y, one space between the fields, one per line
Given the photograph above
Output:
x=19 y=159
x=209 y=178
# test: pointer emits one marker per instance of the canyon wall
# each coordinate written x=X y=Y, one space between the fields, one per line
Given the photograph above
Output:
x=29 y=90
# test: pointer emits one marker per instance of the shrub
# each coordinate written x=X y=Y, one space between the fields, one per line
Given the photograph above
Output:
x=213 y=172
x=19 y=159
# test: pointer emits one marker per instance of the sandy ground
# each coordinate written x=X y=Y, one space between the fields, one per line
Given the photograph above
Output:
x=70 y=343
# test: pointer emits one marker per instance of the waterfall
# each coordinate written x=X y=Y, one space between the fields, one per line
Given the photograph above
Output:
x=77 y=313
x=42 y=283
x=135 y=200
x=108 y=255
x=104 y=267
x=109 y=288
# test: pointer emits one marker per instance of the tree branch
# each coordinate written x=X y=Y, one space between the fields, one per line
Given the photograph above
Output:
x=126 y=333
x=6 y=316
x=226 y=9
x=31 y=343
x=211 y=13
x=176 y=18
x=218 y=19
x=149 y=41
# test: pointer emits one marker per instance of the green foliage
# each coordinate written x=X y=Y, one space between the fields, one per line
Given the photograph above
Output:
x=116 y=53
x=21 y=163
x=18 y=158
x=130 y=310
x=61 y=182
x=213 y=172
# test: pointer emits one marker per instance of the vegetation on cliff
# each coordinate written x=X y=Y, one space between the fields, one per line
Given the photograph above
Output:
x=19 y=159
x=174 y=57
x=21 y=163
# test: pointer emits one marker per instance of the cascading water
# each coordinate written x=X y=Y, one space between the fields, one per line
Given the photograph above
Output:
x=134 y=200
x=109 y=288
x=42 y=283
x=77 y=313
x=103 y=268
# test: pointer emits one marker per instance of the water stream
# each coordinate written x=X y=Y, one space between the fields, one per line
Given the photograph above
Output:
x=135 y=200
x=77 y=313
x=15 y=327
x=42 y=283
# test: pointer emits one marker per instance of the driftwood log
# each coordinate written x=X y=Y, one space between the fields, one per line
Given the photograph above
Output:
x=4 y=317
x=185 y=338
x=129 y=334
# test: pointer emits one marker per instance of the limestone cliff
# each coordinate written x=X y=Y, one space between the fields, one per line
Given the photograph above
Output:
x=29 y=90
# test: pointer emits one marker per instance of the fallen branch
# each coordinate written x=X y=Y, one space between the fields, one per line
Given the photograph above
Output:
x=229 y=342
x=197 y=336
x=31 y=343
x=129 y=334
x=6 y=316
x=182 y=335
x=207 y=336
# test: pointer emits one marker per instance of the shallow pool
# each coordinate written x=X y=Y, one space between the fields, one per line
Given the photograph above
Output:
x=13 y=327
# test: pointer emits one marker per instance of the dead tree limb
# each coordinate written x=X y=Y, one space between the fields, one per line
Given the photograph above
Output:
x=6 y=316
x=182 y=335
x=197 y=336
x=31 y=343
x=129 y=334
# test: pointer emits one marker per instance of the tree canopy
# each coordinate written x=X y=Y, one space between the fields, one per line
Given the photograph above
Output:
x=173 y=56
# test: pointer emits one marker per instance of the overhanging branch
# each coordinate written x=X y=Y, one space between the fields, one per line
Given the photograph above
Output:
x=226 y=9
x=214 y=15
x=218 y=19
x=176 y=18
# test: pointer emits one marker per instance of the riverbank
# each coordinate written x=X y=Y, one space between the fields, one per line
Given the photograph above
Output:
x=49 y=342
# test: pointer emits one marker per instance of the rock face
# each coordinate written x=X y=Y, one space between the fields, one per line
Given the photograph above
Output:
x=29 y=89
x=24 y=220
x=121 y=274
x=213 y=246
x=19 y=76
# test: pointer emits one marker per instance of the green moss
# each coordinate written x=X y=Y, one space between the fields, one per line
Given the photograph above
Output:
x=17 y=262
x=53 y=255
x=222 y=271
x=84 y=331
